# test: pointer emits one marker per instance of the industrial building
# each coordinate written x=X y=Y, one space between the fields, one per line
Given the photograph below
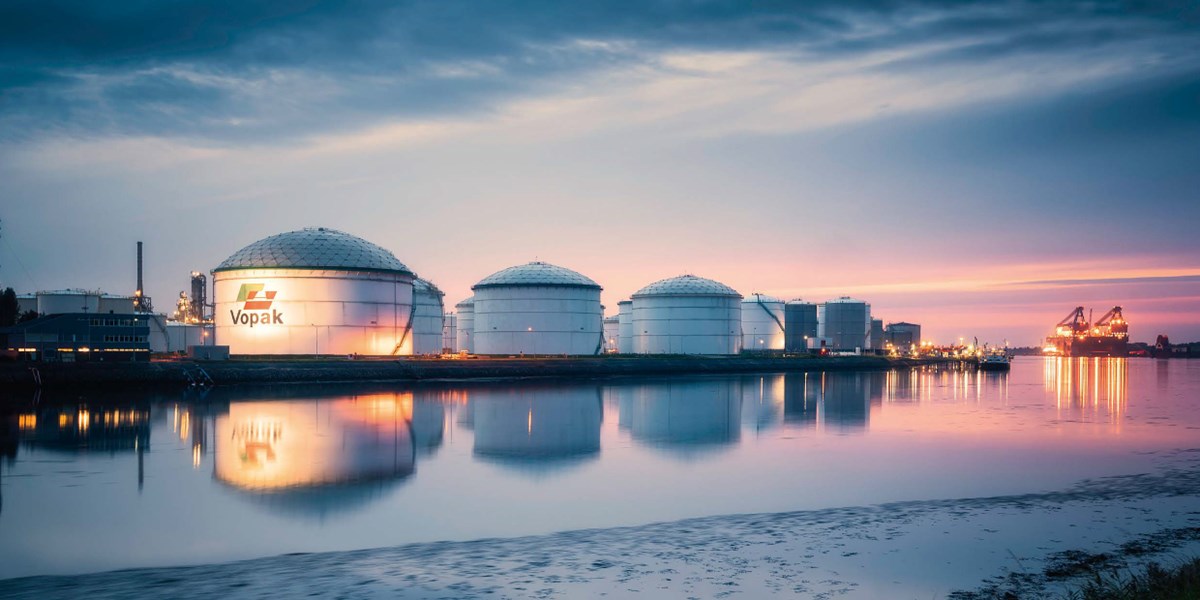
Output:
x=80 y=337
x=612 y=333
x=625 y=327
x=537 y=308
x=313 y=291
x=801 y=326
x=762 y=323
x=903 y=335
x=845 y=323
x=687 y=315
x=428 y=313
x=466 y=325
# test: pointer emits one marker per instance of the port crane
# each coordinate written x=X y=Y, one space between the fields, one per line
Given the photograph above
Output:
x=1074 y=323
x=1113 y=323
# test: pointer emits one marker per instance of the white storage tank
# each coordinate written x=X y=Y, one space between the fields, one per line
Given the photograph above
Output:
x=687 y=315
x=762 y=323
x=612 y=333
x=625 y=327
x=427 y=317
x=313 y=291
x=846 y=323
x=450 y=333
x=466 y=325
x=69 y=301
x=537 y=308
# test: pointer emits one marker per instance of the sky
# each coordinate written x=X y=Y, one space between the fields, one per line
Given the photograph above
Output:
x=979 y=168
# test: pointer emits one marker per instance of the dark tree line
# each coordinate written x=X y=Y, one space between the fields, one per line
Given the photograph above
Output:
x=10 y=309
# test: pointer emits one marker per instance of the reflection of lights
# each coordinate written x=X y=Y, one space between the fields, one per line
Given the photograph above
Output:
x=27 y=421
x=84 y=419
x=1094 y=384
x=196 y=456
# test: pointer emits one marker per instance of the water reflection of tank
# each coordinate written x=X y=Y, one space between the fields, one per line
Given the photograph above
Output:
x=762 y=401
x=428 y=419
x=317 y=456
x=802 y=393
x=537 y=427
x=686 y=415
x=845 y=400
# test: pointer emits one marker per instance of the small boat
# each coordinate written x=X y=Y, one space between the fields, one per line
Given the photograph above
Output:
x=995 y=360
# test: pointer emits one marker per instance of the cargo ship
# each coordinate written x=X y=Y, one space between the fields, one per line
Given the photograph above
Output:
x=1078 y=335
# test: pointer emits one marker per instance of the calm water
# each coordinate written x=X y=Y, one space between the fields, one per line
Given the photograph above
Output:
x=98 y=482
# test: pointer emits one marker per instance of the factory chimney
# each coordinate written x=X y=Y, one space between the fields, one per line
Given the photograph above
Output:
x=141 y=303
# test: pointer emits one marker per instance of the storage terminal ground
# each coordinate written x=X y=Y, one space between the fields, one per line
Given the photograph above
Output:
x=177 y=374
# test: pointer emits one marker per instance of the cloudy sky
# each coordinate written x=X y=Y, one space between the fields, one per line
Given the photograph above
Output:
x=978 y=168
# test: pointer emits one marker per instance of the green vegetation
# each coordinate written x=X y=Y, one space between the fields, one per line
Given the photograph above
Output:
x=1156 y=583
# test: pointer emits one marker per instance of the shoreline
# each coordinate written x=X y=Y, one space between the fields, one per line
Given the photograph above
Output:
x=893 y=548
x=181 y=373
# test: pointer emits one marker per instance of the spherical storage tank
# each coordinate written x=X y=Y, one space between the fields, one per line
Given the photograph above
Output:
x=762 y=323
x=846 y=322
x=313 y=291
x=687 y=315
x=427 y=317
x=537 y=308
x=466 y=325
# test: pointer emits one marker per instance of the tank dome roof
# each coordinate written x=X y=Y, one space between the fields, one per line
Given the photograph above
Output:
x=314 y=248
x=687 y=285
x=468 y=301
x=757 y=297
x=536 y=274
x=424 y=286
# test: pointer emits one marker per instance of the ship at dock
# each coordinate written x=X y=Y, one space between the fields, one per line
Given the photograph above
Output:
x=1078 y=335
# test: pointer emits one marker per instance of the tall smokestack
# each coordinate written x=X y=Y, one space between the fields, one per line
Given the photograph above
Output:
x=139 y=274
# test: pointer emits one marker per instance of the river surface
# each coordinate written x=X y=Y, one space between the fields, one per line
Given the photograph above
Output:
x=95 y=482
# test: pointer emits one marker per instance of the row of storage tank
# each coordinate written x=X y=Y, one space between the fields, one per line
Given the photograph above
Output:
x=321 y=291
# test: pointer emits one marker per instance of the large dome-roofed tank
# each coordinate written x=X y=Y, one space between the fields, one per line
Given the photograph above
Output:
x=687 y=315
x=537 y=308
x=313 y=291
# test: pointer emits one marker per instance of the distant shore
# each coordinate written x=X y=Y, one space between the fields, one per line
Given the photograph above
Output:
x=328 y=370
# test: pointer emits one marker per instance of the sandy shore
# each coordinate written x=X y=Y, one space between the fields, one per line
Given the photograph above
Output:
x=962 y=548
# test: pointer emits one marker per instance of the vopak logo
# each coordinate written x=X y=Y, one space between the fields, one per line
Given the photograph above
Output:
x=253 y=298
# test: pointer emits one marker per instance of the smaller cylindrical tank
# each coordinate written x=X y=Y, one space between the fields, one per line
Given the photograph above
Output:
x=625 y=327
x=762 y=323
x=427 y=317
x=450 y=333
x=847 y=324
x=68 y=301
x=800 y=323
x=466 y=325
x=612 y=333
